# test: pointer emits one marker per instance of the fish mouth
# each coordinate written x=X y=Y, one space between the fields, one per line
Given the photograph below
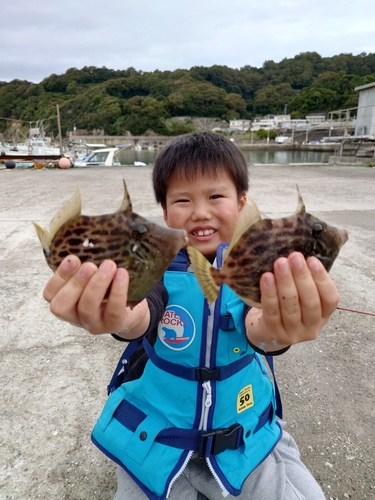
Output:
x=326 y=261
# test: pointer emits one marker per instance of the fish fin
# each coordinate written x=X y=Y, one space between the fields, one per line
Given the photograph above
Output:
x=41 y=234
x=247 y=217
x=126 y=202
x=202 y=272
x=251 y=303
x=301 y=209
x=69 y=210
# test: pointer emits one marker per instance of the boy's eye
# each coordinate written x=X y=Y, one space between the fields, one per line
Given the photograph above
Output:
x=215 y=196
x=181 y=201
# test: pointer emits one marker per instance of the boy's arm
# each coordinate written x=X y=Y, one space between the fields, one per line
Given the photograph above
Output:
x=76 y=292
x=297 y=301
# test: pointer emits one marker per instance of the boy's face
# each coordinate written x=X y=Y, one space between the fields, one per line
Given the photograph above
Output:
x=206 y=207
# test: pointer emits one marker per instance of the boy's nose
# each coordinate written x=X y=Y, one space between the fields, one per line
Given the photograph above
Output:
x=201 y=212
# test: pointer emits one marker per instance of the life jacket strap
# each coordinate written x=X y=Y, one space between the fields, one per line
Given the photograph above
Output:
x=206 y=443
x=199 y=374
x=121 y=370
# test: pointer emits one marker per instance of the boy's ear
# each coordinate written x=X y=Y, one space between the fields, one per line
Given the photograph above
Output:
x=242 y=201
x=165 y=215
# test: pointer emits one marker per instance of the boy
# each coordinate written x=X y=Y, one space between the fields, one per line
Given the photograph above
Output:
x=195 y=417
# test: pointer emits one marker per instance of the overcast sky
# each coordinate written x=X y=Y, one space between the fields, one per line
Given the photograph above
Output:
x=42 y=37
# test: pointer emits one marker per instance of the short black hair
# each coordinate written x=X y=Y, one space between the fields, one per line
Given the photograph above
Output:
x=190 y=154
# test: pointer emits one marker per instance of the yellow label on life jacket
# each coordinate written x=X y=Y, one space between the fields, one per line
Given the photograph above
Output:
x=245 y=398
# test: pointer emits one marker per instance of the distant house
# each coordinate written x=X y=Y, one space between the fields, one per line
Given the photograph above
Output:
x=299 y=124
x=239 y=125
x=365 y=124
x=316 y=118
x=263 y=123
x=270 y=122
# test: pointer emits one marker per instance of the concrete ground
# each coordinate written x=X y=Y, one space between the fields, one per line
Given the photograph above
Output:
x=54 y=376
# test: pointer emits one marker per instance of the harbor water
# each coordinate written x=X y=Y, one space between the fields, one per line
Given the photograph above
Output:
x=128 y=156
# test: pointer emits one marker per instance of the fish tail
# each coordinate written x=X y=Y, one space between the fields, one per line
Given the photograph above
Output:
x=202 y=270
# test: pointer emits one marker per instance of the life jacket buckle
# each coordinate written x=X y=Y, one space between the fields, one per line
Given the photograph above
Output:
x=203 y=373
x=218 y=440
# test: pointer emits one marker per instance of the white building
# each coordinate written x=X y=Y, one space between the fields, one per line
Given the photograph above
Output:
x=365 y=124
x=316 y=118
x=270 y=122
x=239 y=125
x=298 y=124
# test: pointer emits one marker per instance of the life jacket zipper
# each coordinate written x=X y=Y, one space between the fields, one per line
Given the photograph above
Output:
x=207 y=402
x=183 y=467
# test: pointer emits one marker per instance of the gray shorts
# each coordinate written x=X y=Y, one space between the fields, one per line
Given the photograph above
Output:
x=281 y=476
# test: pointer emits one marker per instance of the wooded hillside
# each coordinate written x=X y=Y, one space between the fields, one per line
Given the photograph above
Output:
x=130 y=100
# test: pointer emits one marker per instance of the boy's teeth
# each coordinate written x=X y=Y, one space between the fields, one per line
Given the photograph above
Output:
x=206 y=232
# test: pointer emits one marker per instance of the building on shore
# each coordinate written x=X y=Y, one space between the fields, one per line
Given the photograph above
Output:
x=239 y=125
x=365 y=125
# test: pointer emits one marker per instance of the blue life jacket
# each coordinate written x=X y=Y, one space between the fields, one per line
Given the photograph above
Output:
x=203 y=390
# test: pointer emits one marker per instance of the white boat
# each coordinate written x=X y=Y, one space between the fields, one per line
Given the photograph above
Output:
x=31 y=147
x=37 y=144
x=82 y=151
x=104 y=157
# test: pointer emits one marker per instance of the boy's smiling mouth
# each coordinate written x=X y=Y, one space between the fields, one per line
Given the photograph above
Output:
x=199 y=233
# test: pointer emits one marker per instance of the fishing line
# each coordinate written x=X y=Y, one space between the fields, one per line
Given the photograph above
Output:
x=355 y=311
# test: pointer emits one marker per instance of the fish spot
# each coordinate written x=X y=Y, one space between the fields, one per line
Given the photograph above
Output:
x=102 y=232
x=299 y=231
x=79 y=230
x=74 y=241
x=58 y=242
x=95 y=250
x=287 y=222
x=284 y=252
x=117 y=231
x=63 y=254
x=259 y=250
x=244 y=262
x=300 y=221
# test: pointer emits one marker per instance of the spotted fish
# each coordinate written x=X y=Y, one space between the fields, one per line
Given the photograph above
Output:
x=144 y=248
x=257 y=243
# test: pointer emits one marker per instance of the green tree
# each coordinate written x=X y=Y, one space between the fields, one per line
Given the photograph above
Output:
x=266 y=134
x=273 y=98
x=140 y=114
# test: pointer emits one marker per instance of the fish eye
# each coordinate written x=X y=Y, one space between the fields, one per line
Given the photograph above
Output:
x=140 y=232
x=317 y=229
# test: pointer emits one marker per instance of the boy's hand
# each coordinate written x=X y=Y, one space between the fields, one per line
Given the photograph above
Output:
x=297 y=301
x=76 y=294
